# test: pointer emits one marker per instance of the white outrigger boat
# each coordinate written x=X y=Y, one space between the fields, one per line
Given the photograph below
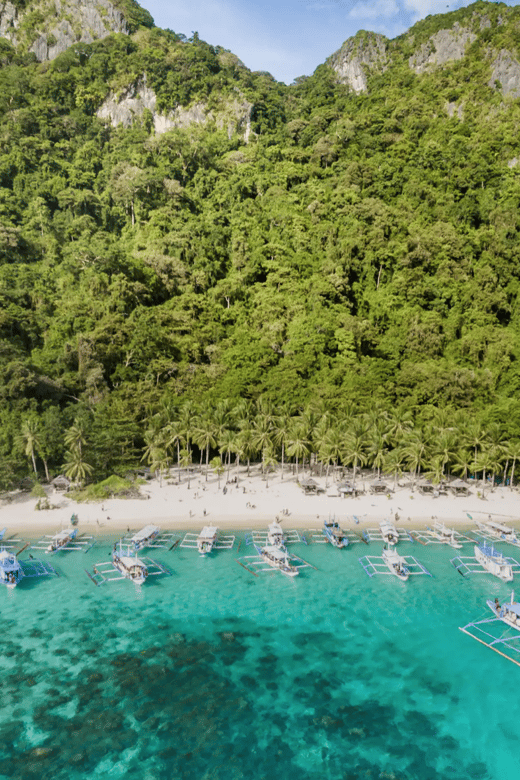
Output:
x=125 y=564
x=66 y=540
x=387 y=533
x=495 y=531
x=485 y=631
x=391 y=563
x=278 y=559
x=275 y=536
x=487 y=560
x=12 y=571
x=151 y=536
x=395 y=563
x=207 y=540
x=441 y=534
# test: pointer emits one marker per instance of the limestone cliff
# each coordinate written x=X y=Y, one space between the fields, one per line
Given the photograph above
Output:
x=366 y=52
x=444 y=46
x=125 y=108
x=50 y=27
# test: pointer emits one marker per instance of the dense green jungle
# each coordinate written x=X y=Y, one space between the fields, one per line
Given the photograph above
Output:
x=340 y=286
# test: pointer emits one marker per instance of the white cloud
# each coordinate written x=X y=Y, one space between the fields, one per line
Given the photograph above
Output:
x=384 y=8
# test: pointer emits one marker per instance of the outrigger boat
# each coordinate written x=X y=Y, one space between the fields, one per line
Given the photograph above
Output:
x=208 y=540
x=334 y=534
x=485 y=631
x=487 y=560
x=493 y=530
x=7 y=544
x=151 y=536
x=12 y=571
x=396 y=563
x=279 y=559
x=66 y=540
x=441 y=534
x=390 y=562
x=275 y=536
x=270 y=558
x=387 y=533
x=125 y=564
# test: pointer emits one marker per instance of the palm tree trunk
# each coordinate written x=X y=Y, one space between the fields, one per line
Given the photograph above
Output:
x=283 y=455
x=513 y=473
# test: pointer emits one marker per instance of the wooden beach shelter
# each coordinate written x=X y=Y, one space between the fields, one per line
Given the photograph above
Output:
x=458 y=488
x=426 y=487
x=378 y=487
x=60 y=483
x=347 y=490
x=309 y=486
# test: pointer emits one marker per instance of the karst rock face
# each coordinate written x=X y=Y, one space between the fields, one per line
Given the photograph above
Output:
x=359 y=56
x=369 y=54
x=49 y=28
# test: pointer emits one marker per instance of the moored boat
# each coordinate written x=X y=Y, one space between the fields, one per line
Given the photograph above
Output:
x=396 y=563
x=334 y=534
x=278 y=559
x=11 y=571
x=143 y=537
x=389 y=532
x=497 y=530
x=61 y=539
x=445 y=535
x=275 y=535
x=508 y=613
x=494 y=562
x=206 y=539
x=129 y=565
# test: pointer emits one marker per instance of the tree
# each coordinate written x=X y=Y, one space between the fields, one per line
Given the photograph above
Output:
x=75 y=467
x=218 y=467
x=29 y=436
x=297 y=441
x=155 y=453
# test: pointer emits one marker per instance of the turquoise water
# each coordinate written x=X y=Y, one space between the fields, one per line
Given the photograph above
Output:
x=212 y=673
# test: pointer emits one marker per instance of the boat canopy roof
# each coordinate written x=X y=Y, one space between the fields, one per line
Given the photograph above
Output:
x=208 y=532
x=275 y=552
x=9 y=561
x=145 y=533
x=513 y=608
x=275 y=527
x=64 y=534
x=386 y=525
x=504 y=529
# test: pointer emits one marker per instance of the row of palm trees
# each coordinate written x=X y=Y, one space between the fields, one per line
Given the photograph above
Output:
x=387 y=441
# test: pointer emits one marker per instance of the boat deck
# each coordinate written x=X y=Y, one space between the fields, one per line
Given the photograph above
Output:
x=190 y=542
x=165 y=540
x=376 y=535
x=466 y=564
x=291 y=536
x=81 y=543
x=373 y=565
x=106 y=571
x=431 y=536
x=256 y=565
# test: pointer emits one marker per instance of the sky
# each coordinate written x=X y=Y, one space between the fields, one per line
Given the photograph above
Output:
x=290 y=38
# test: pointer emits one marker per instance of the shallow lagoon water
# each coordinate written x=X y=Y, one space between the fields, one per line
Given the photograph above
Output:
x=215 y=673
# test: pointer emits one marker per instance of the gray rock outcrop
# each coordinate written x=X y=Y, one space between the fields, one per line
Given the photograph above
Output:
x=64 y=23
x=444 y=46
x=130 y=105
x=357 y=57
x=505 y=71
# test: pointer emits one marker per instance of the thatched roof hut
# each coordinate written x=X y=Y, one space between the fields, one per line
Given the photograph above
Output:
x=458 y=487
x=378 y=487
x=60 y=483
x=309 y=485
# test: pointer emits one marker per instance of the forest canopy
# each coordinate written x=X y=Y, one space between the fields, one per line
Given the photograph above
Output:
x=350 y=252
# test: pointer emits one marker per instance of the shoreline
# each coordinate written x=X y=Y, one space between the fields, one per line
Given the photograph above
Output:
x=252 y=503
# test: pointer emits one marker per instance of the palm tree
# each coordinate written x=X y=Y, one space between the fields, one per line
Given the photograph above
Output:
x=400 y=422
x=155 y=452
x=280 y=431
x=204 y=436
x=270 y=462
x=218 y=467
x=75 y=436
x=414 y=452
x=514 y=454
x=29 y=437
x=463 y=462
x=444 y=447
x=436 y=472
x=185 y=460
x=75 y=468
x=262 y=435
x=474 y=436
x=297 y=441
x=354 y=451
x=376 y=450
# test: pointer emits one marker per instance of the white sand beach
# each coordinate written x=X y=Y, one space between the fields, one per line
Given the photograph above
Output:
x=252 y=503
